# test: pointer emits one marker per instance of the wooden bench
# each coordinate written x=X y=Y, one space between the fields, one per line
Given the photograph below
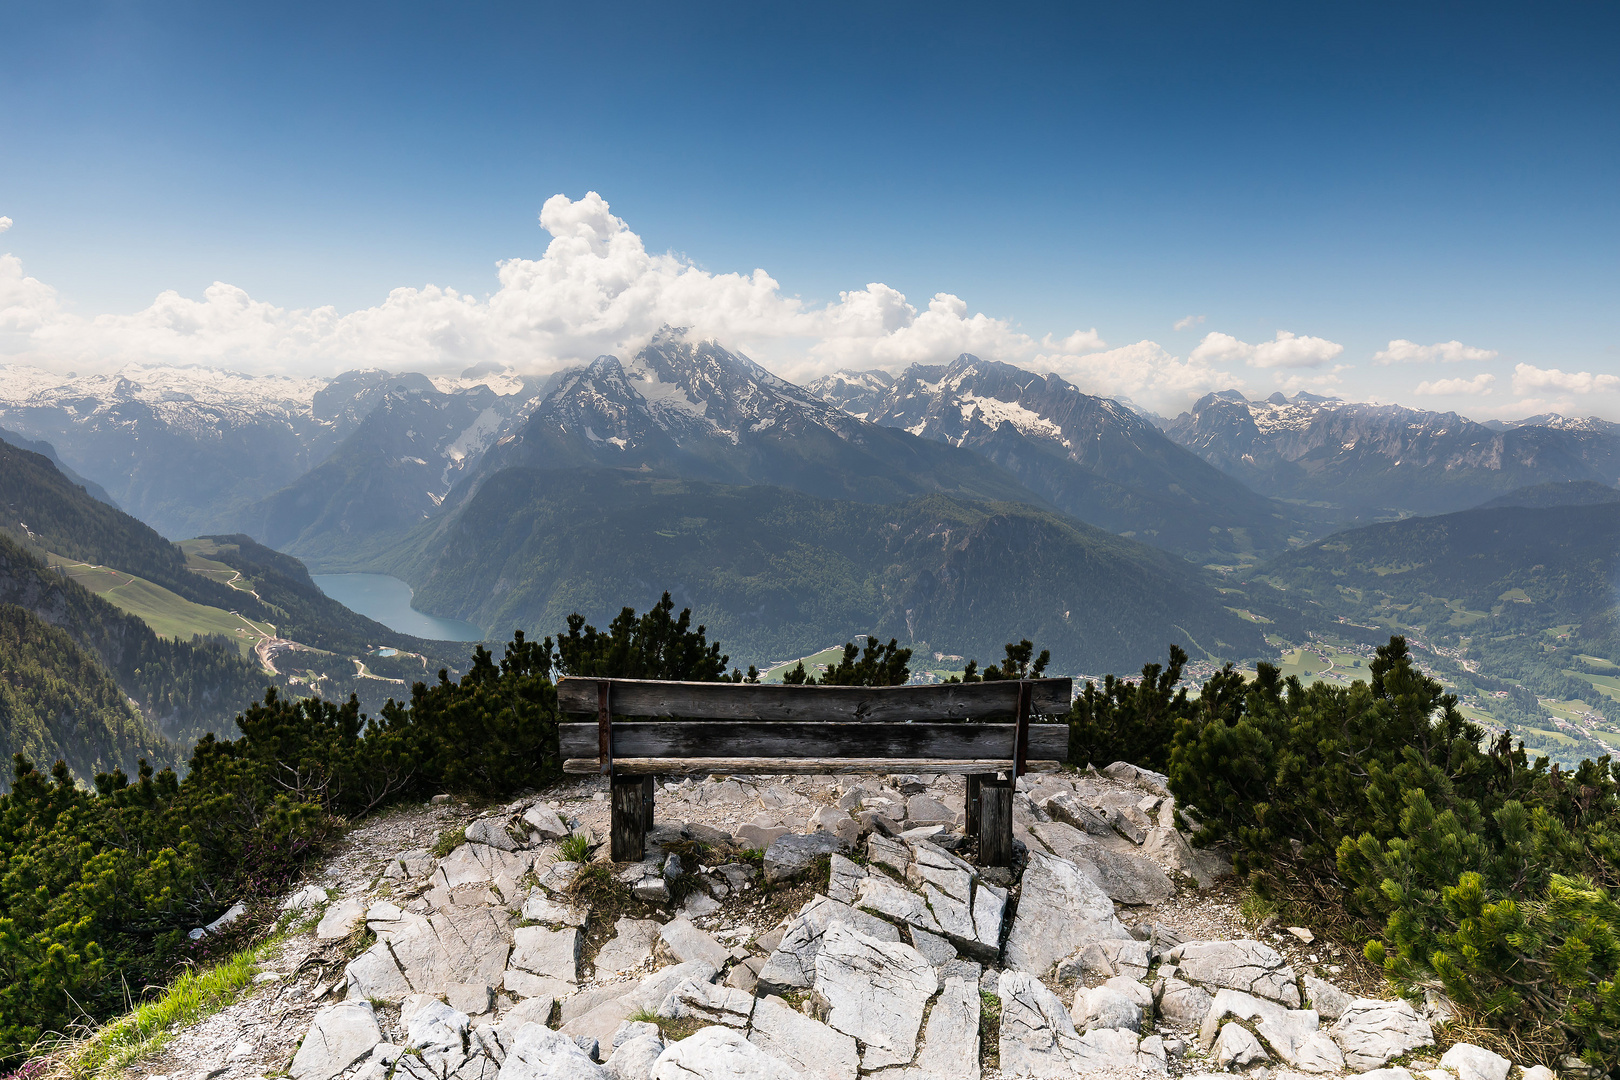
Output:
x=672 y=728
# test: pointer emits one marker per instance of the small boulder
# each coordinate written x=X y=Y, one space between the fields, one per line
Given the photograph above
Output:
x=793 y=856
x=545 y=821
x=718 y=1053
x=491 y=832
x=1472 y=1062
x=1236 y=1045
x=1105 y=1007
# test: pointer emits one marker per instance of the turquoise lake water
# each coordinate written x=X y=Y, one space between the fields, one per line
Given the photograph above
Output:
x=388 y=600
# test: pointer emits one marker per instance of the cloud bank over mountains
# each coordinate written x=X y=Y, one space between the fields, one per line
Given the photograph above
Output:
x=597 y=289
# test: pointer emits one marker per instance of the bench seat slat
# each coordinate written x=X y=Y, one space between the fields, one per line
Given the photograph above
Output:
x=715 y=739
x=826 y=704
x=775 y=766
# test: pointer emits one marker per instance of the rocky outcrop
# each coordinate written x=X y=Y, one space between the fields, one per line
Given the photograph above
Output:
x=879 y=975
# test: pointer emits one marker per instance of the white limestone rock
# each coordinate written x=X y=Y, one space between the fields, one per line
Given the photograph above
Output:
x=1071 y=811
x=792 y=855
x=1157 y=783
x=629 y=948
x=697 y=999
x=1105 y=1007
x=880 y=895
x=541 y=819
x=1236 y=1045
x=634 y=1058
x=877 y=991
x=341 y=919
x=492 y=832
x=686 y=942
x=1372 y=1031
x=845 y=881
x=310 y=896
x=1038 y=1038
x=1181 y=1004
x=1114 y=956
x=718 y=1053
x=1472 y=1062
x=538 y=1053
x=1328 y=1000
x=791 y=965
x=1293 y=1034
x=1060 y=910
x=339 y=1036
x=540 y=908
x=1250 y=966
x=810 y=1047
x=438 y=1033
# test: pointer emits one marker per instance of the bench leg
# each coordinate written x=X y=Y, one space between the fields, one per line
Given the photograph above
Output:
x=647 y=789
x=631 y=809
x=972 y=807
x=995 y=821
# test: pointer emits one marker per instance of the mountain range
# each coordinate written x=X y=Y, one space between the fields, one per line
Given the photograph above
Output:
x=1091 y=457
x=956 y=506
x=1346 y=461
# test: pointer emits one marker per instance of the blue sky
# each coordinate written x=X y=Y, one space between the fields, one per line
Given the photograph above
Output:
x=1351 y=173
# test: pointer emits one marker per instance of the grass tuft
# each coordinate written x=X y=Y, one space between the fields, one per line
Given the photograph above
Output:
x=194 y=995
x=449 y=840
x=576 y=847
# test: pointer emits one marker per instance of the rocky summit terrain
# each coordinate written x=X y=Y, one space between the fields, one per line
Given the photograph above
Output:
x=824 y=928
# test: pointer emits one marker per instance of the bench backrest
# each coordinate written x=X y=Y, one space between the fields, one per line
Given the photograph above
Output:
x=765 y=727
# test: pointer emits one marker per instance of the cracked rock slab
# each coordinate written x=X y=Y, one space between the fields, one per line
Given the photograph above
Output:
x=1292 y=1034
x=1126 y=878
x=339 y=1036
x=810 y=1047
x=1250 y=966
x=792 y=964
x=630 y=947
x=881 y=896
x=538 y=1053
x=686 y=942
x=1038 y=1038
x=1060 y=910
x=1372 y=1031
x=877 y=991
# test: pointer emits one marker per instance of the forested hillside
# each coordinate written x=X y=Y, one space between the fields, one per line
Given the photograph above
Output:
x=44 y=509
x=183 y=688
x=780 y=574
x=1515 y=601
x=58 y=703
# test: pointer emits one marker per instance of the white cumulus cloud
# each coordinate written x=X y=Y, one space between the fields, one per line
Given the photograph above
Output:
x=1479 y=384
x=1187 y=322
x=1286 y=350
x=1529 y=380
x=1401 y=351
x=5 y=223
x=595 y=289
x=1143 y=372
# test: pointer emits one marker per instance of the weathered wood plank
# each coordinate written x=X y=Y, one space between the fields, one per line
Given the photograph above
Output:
x=995 y=821
x=708 y=738
x=774 y=766
x=629 y=818
x=826 y=704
